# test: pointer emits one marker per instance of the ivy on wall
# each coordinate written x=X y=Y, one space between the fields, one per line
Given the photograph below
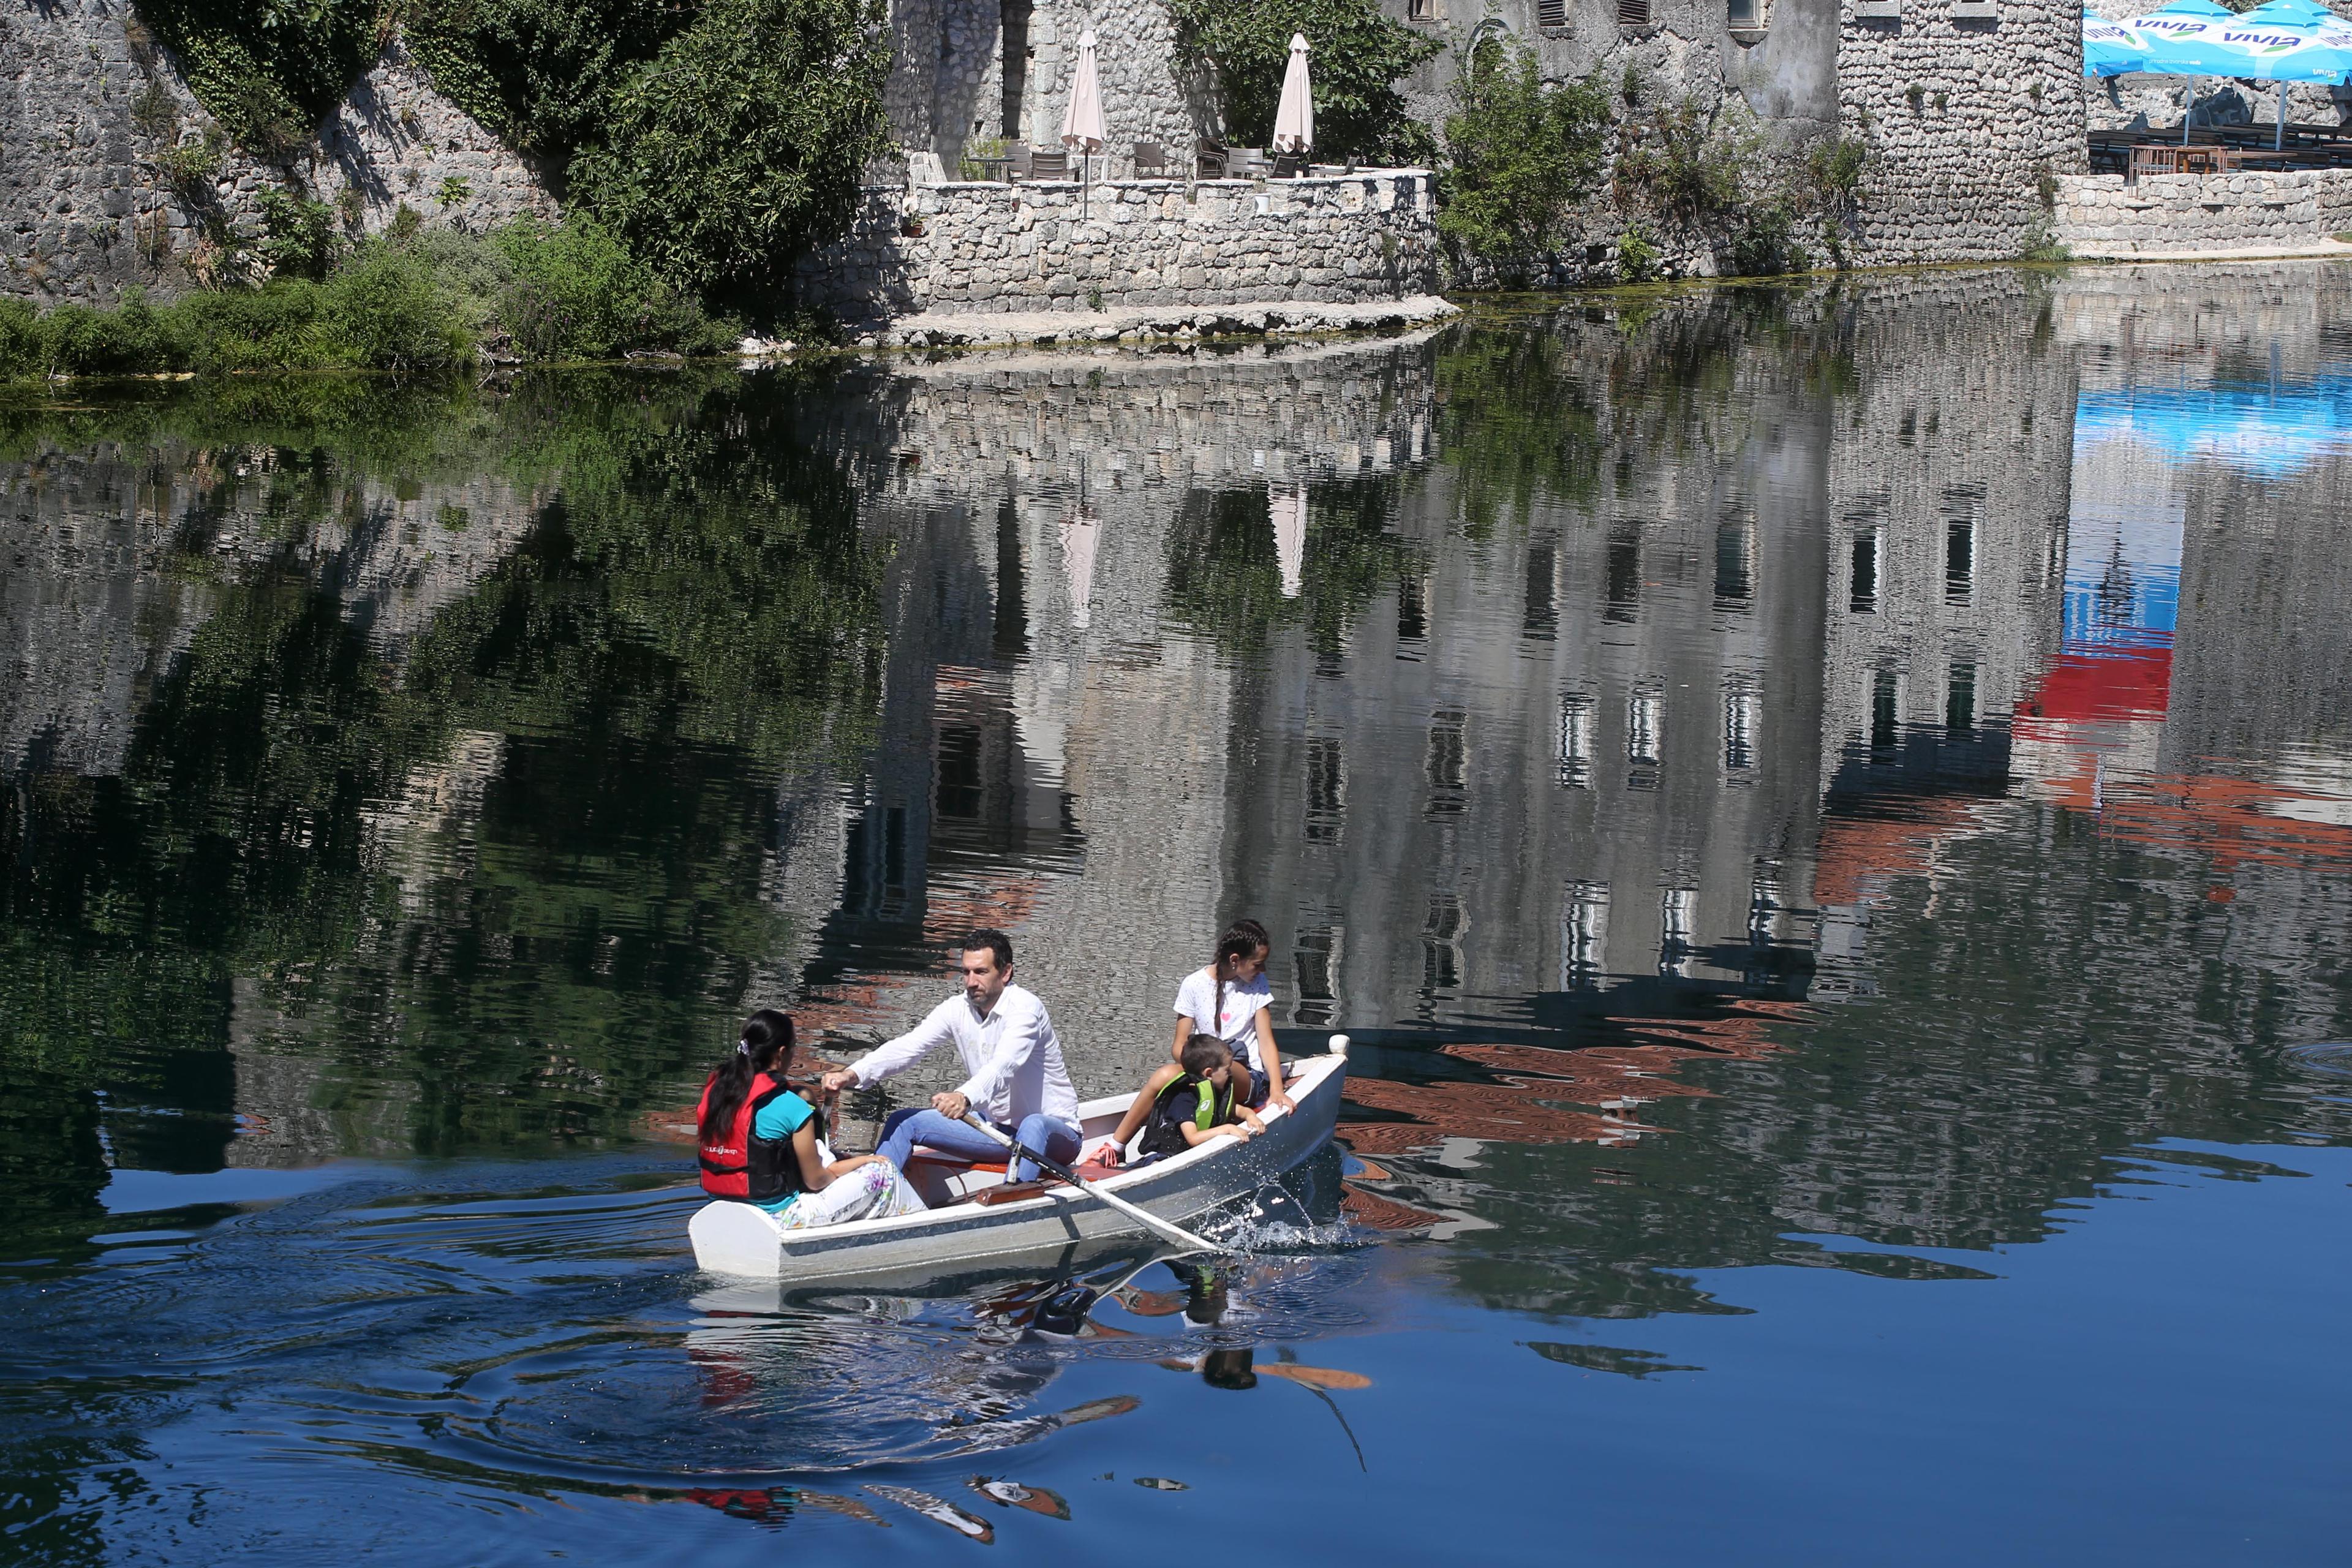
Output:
x=268 y=70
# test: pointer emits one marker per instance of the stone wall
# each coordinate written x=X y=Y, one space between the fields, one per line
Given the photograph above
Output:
x=85 y=212
x=966 y=71
x=1965 y=107
x=2101 y=216
x=1055 y=247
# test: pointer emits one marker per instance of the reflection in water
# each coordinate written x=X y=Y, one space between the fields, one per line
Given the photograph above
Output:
x=1772 y=780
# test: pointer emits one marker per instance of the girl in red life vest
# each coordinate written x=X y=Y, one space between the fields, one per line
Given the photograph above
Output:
x=759 y=1144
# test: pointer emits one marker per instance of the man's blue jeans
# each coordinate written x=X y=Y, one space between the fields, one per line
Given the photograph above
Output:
x=1049 y=1135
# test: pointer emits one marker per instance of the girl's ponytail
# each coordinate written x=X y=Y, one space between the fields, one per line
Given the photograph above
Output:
x=766 y=1046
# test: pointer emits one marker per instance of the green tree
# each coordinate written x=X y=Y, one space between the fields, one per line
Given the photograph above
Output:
x=1522 y=156
x=541 y=73
x=1357 y=56
x=744 y=142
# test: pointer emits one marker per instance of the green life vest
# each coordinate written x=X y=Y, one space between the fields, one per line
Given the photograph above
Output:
x=1213 y=1105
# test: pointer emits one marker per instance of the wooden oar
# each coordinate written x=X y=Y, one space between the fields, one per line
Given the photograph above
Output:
x=1175 y=1233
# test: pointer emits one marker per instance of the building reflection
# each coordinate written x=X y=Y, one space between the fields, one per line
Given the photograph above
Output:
x=1594 y=682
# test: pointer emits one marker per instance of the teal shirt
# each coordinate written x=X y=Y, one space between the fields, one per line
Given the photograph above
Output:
x=779 y=1119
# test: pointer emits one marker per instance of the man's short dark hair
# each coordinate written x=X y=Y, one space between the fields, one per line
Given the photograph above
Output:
x=995 y=941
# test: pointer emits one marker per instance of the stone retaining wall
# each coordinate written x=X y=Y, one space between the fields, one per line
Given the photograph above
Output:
x=86 y=212
x=2100 y=216
x=1055 y=247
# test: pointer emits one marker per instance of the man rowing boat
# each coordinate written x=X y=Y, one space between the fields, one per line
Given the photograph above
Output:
x=1011 y=1058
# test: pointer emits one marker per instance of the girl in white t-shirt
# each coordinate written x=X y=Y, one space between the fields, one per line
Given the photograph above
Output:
x=1230 y=999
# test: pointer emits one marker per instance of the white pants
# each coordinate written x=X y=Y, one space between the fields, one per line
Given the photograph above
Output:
x=875 y=1191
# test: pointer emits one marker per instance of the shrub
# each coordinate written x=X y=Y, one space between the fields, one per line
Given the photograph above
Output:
x=1359 y=57
x=1637 y=255
x=2040 y=242
x=275 y=327
x=298 y=238
x=1521 y=157
x=190 y=168
x=154 y=113
x=1764 y=242
x=383 y=312
x=1690 y=171
x=20 y=340
x=745 y=144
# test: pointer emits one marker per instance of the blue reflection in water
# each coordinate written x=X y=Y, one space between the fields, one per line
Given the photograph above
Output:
x=2265 y=429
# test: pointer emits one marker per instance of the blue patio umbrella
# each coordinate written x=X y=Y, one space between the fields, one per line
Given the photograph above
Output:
x=2284 y=41
x=2110 y=49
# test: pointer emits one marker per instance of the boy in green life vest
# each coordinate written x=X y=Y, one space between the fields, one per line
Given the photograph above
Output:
x=1183 y=1107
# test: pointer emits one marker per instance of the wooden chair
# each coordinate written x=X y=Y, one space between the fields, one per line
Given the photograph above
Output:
x=1150 y=160
x=1048 y=166
x=1212 y=161
x=1288 y=165
x=1016 y=163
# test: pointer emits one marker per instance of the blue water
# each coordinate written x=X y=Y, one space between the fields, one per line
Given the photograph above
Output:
x=1837 y=885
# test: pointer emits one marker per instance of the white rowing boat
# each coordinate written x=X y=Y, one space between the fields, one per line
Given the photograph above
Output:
x=740 y=1239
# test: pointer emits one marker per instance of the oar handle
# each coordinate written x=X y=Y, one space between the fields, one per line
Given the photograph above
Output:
x=1145 y=1218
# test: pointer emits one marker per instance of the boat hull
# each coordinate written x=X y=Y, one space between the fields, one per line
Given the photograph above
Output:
x=745 y=1242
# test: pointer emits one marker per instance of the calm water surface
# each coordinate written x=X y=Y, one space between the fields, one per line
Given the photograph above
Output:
x=1827 y=814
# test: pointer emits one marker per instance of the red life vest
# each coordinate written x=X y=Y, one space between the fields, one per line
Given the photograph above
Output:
x=744 y=1165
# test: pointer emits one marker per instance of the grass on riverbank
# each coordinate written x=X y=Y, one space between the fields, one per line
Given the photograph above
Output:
x=413 y=302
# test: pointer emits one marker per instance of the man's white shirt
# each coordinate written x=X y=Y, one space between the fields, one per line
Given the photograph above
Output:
x=1011 y=1058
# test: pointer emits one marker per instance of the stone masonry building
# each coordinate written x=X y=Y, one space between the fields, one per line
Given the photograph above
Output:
x=1972 y=116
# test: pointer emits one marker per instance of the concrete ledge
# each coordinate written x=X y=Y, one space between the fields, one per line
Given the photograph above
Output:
x=1135 y=323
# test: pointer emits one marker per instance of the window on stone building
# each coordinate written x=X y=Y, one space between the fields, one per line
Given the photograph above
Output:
x=1315 y=961
x=1441 y=943
x=1423 y=10
x=1735 y=561
x=1551 y=13
x=960 y=779
x=1743 y=715
x=1327 y=789
x=1862 y=583
x=1542 y=617
x=1959 y=561
x=1448 y=763
x=1623 y=587
x=1413 y=616
x=1583 y=933
x=1745 y=13
x=1886 y=712
x=1677 y=925
x=1633 y=13
x=1579 y=710
x=1645 y=729
x=1960 y=699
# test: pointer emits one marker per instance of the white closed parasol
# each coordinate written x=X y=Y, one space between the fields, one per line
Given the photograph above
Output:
x=1289 y=505
x=1082 y=122
x=1294 y=122
x=1081 y=531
